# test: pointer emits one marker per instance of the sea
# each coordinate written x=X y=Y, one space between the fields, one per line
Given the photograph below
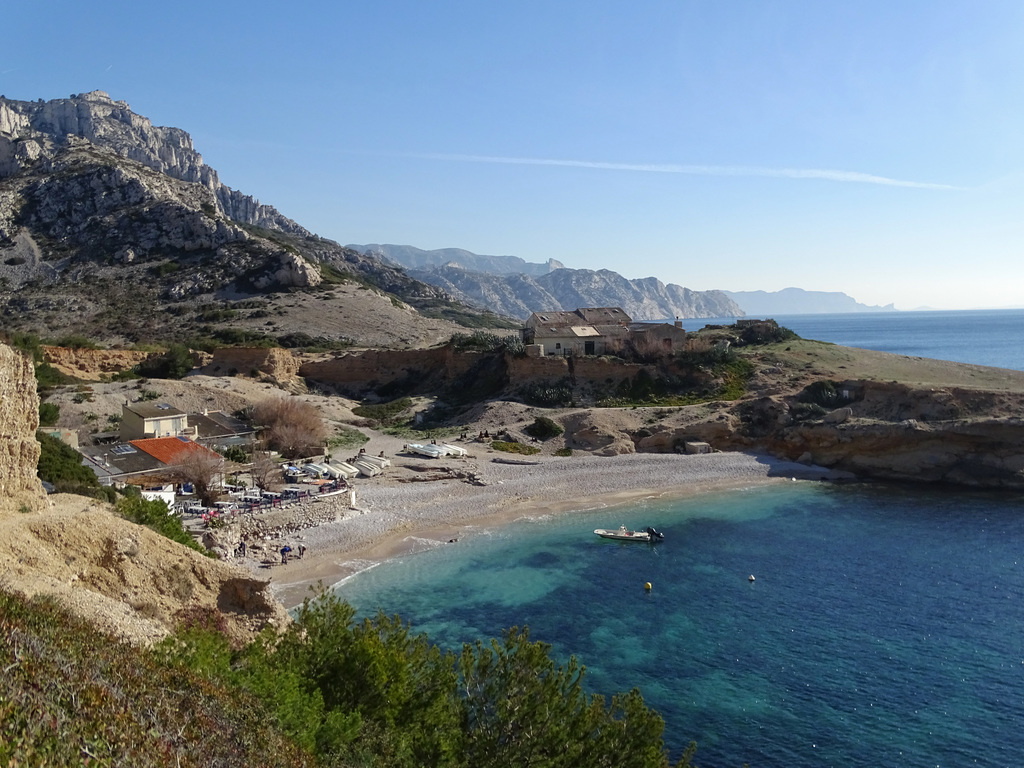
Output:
x=883 y=625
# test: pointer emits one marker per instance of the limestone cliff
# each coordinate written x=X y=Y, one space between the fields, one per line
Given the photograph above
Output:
x=30 y=130
x=20 y=489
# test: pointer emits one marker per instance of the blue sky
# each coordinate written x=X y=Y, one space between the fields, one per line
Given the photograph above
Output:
x=874 y=148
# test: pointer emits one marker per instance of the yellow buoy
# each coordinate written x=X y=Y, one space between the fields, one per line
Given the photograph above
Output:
x=647 y=586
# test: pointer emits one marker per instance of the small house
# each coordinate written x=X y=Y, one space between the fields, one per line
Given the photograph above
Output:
x=144 y=420
x=585 y=331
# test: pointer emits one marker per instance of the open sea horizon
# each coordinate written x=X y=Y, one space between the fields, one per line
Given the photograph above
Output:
x=884 y=627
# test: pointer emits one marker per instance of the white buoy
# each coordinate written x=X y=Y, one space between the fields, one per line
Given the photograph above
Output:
x=750 y=577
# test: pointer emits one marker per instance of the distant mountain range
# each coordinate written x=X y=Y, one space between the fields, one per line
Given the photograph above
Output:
x=507 y=285
x=796 y=301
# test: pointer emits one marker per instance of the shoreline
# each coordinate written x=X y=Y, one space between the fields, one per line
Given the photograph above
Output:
x=399 y=516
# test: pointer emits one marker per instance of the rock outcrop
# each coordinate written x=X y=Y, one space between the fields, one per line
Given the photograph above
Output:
x=92 y=364
x=20 y=488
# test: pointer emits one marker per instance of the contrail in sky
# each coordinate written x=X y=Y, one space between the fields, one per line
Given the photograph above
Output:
x=699 y=170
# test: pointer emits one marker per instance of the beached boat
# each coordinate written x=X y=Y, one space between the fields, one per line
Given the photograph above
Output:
x=433 y=451
x=346 y=469
x=624 y=534
x=455 y=450
x=366 y=469
x=378 y=461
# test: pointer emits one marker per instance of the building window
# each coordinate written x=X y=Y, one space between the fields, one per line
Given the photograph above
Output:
x=558 y=345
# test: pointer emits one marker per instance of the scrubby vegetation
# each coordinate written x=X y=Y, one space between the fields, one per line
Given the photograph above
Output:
x=331 y=691
x=766 y=332
x=49 y=413
x=154 y=515
x=548 y=394
x=824 y=393
x=290 y=426
x=482 y=341
x=62 y=466
x=544 y=428
x=174 y=363
x=70 y=696
x=384 y=414
x=520 y=448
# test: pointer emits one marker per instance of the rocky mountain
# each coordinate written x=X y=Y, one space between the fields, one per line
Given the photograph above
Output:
x=30 y=130
x=415 y=258
x=114 y=228
x=518 y=294
x=796 y=301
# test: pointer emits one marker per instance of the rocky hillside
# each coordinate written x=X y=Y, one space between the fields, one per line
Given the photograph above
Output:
x=30 y=130
x=115 y=229
x=510 y=286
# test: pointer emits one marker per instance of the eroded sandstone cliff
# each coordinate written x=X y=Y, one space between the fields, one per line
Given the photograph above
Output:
x=20 y=489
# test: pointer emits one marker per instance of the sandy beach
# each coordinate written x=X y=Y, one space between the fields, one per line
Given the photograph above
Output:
x=418 y=504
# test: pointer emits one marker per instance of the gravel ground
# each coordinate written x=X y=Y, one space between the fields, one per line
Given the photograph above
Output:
x=395 y=517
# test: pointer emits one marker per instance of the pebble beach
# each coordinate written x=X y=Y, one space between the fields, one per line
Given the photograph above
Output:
x=416 y=505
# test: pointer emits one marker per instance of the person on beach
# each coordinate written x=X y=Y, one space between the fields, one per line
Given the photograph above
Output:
x=302 y=550
x=284 y=554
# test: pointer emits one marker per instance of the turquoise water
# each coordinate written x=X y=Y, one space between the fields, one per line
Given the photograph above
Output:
x=885 y=626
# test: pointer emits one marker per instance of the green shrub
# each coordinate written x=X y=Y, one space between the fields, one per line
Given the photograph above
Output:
x=235 y=453
x=766 y=332
x=155 y=516
x=480 y=341
x=48 y=377
x=175 y=363
x=520 y=448
x=544 y=428
x=824 y=392
x=547 y=394
x=61 y=464
x=563 y=452
x=49 y=413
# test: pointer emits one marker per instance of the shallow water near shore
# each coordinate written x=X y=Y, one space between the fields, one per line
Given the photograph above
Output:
x=885 y=625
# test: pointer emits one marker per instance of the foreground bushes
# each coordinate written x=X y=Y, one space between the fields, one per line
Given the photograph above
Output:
x=371 y=693
x=330 y=691
x=71 y=696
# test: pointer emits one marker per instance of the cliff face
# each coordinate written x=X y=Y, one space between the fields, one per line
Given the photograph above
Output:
x=20 y=489
x=30 y=130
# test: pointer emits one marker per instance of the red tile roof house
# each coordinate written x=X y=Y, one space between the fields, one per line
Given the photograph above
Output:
x=139 y=458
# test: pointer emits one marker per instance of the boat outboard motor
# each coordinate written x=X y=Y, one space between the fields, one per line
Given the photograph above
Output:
x=655 y=534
